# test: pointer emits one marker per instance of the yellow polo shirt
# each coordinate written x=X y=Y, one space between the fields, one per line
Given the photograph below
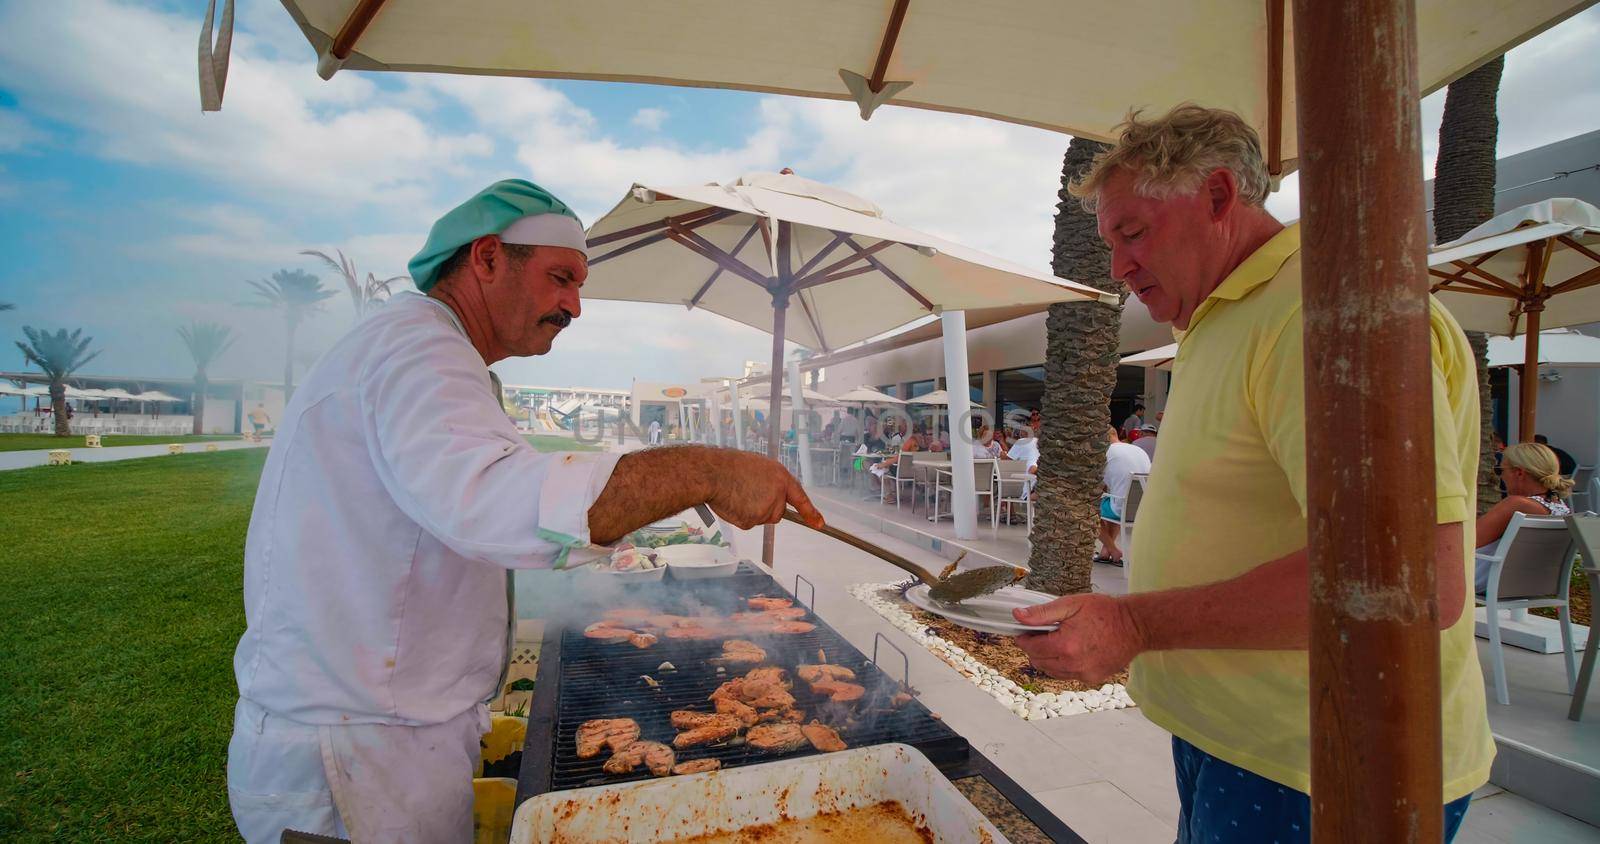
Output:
x=1229 y=494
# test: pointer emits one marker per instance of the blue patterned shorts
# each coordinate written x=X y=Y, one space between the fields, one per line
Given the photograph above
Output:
x=1223 y=803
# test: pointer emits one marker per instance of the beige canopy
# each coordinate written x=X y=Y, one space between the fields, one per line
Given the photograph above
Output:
x=1073 y=66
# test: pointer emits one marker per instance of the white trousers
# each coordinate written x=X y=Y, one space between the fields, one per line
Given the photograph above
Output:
x=365 y=782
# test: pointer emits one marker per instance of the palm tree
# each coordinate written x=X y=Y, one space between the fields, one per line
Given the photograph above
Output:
x=297 y=293
x=206 y=342
x=57 y=355
x=363 y=295
x=1080 y=371
x=1463 y=197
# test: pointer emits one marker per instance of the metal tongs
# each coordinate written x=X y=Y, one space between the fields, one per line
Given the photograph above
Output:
x=948 y=586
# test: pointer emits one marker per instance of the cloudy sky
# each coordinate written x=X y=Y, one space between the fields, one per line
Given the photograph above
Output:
x=125 y=211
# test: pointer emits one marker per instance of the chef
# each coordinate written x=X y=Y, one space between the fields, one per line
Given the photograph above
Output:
x=395 y=501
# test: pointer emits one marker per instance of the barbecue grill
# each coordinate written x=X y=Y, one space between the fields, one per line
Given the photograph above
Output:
x=580 y=679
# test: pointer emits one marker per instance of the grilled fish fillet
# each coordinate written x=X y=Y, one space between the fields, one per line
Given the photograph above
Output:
x=709 y=729
x=823 y=737
x=838 y=690
x=776 y=738
x=741 y=652
x=656 y=756
x=641 y=640
x=746 y=713
x=788 y=714
x=615 y=733
x=696 y=766
x=814 y=674
x=605 y=631
x=765 y=603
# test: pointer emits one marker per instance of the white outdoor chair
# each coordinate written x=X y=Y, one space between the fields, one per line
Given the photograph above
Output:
x=1129 y=508
x=1582 y=482
x=1023 y=495
x=1004 y=483
x=1531 y=566
x=1585 y=533
x=905 y=473
x=944 y=480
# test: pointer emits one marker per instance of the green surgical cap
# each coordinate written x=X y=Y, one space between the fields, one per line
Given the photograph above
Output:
x=490 y=212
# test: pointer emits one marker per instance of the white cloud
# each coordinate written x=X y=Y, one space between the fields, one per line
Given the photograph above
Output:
x=283 y=133
x=649 y=119
x=17 y=134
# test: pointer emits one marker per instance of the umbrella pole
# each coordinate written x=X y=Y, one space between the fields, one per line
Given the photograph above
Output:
x=1533 y=308
x=1376 y=754
x=1530 y=379
x=780 y=308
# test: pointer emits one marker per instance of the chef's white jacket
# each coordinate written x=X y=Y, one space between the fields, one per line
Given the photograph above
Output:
x=394 y=499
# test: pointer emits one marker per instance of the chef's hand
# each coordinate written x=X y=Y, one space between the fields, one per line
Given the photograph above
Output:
x=748 y=490
x=1096 y=639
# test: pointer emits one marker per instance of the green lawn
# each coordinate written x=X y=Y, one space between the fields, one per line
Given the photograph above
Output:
x=120 y=612
x=547 y=442
x=35 y=442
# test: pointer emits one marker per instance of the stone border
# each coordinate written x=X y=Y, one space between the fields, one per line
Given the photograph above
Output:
x=1027 y=705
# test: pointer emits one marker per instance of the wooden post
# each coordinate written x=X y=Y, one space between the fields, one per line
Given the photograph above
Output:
x=1533 y=310
x=780 y=308
x=1374 y=651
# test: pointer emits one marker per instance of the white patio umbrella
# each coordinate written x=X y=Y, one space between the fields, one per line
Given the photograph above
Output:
x=937 y=398
x=853 y=273
x=866 y=395
x=1557 y=347
x=1023 y=61
x=1533 y=267
x=1157 y=358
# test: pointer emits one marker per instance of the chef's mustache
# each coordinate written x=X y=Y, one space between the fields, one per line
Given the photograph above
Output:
x=559 y=319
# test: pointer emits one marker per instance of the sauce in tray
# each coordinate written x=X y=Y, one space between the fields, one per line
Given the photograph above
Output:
x=884 y=823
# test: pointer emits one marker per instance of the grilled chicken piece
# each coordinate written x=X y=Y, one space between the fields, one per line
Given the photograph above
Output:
x=823 y=737
x=768 y=674
x=606 y=631
x=814 y=674
x=746 y=713
x=765 y=603
x=900 y=699
x=641 y=640
x=788 y=715
x=615 y=733
x=838 y=690
x=740 y=652
x=696 y=766
x=688 y=719
x=772 y=698
x=713 y=728
x=656 y=756
x=792 y=628
x=776 y=738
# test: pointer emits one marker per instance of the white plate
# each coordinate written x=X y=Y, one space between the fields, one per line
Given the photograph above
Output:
x=986 y=613
x=692 y=562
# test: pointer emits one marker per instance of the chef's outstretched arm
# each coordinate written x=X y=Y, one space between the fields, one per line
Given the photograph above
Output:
x=743 y=489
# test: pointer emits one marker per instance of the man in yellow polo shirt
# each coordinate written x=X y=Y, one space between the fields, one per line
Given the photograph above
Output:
x=1216 y=624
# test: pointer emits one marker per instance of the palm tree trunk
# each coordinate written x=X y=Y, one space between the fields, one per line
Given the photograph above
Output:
x=288 y=360
x=197 y=406
x=1080 y=372
x=1463 y=197
x=58 y=407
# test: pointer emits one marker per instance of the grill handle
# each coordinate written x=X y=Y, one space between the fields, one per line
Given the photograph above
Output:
x=812 y=604
x=905 y=661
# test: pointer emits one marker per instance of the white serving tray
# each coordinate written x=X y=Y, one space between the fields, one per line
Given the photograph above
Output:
x=680 y=807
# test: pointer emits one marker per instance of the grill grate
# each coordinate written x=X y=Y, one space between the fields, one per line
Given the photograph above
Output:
x=604 y=681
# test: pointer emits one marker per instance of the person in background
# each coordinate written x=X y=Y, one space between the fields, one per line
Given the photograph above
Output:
x=1134 y=422
x=1147 y=440
x=885 y=467
x=988 y=444
x=1565 y=462
x=259 y=420
x=1026 y=448
x=1534 y=485
x=1123 y=461
x=1160 y=414
x=655 y=432
x=1035 y=422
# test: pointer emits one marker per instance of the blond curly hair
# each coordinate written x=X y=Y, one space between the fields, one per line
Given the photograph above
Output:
x=1541 y=464
x=1172 y=154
